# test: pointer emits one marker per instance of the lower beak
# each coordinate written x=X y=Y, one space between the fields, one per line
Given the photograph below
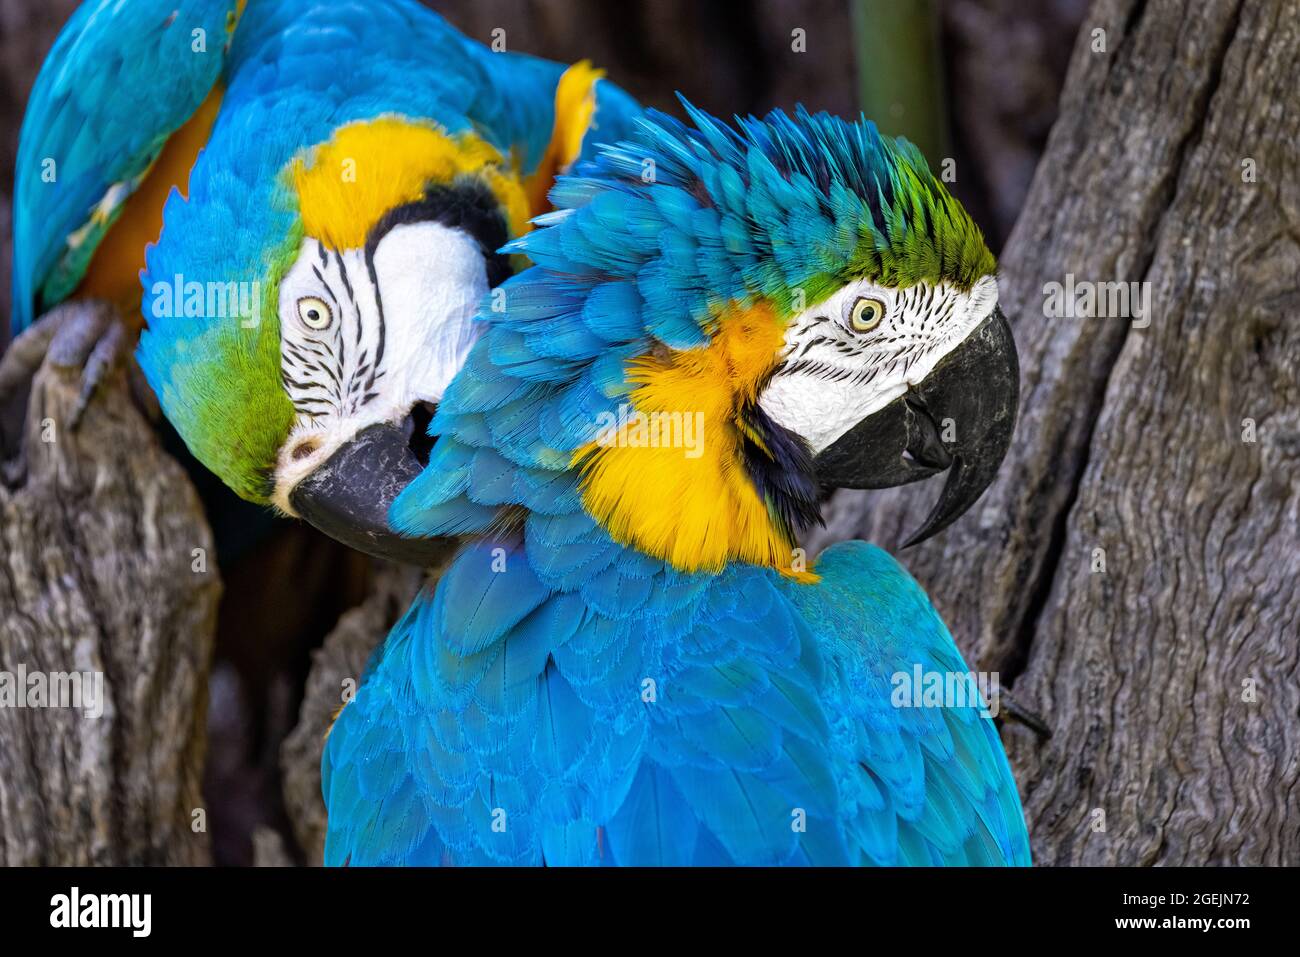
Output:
x=960 y=419
x=348 y=496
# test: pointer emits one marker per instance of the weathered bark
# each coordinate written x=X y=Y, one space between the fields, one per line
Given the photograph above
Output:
x=1169 y=677
x=99 y=547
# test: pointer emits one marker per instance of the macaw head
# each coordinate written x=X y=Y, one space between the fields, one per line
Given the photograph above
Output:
x=304 y=319
x=723 y=323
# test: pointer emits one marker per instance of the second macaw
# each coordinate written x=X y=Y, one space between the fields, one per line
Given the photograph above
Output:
x=631 y=662
x=322 y=187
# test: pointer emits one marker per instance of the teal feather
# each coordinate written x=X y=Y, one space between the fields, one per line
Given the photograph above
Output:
x=99 y=113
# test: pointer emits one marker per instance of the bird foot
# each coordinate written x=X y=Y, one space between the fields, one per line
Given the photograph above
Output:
x=89 y=338
x=88 y=341
x=1015 y=711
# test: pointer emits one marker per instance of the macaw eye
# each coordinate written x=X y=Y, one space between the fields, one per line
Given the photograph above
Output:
x=313 y=312
x=866 y=314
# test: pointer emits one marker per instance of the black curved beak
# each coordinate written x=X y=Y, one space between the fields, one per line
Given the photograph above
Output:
x=960 y=418
x=348 y=496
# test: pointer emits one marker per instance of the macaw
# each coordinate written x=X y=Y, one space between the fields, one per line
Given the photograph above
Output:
x=322 y=187
x=630 y=661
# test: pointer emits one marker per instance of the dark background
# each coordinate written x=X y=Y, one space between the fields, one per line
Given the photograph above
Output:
x=997 y=68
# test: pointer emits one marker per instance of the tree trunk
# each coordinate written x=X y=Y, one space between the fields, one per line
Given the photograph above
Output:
x=106 y=569
x=1134 y=569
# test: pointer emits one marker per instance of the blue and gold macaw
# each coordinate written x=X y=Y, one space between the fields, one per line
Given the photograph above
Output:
x=326 y=184
x=629 y=661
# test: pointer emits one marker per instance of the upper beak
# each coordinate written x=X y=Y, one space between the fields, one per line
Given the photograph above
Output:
x=348 y=496
x=969 y=399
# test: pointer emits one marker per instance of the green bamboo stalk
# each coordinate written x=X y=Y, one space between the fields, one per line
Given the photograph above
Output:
x=900 y=71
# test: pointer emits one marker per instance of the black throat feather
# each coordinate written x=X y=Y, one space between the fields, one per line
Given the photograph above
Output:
x=780 y=464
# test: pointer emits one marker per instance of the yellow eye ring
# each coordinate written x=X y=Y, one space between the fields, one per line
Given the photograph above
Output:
x=866 y=314
x=314 y=313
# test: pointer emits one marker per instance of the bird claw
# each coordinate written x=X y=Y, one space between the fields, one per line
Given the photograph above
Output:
x=25 y=354
x=106 y=349
x=89 y=337
x=90 y=340
x=1018 y=713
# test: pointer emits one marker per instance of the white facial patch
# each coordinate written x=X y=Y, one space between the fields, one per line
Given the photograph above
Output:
x=834 y=374
x=363 y=337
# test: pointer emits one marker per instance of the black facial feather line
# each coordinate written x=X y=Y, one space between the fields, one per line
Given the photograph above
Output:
x=780 y=464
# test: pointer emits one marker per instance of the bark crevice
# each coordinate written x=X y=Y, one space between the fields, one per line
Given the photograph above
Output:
x=97 y=577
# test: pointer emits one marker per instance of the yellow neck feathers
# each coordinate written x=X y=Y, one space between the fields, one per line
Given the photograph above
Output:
x=669 y=477
x=372 y=166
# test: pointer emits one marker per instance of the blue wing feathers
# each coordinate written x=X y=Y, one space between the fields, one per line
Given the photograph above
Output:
x=725 y=708
x=99 y=114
